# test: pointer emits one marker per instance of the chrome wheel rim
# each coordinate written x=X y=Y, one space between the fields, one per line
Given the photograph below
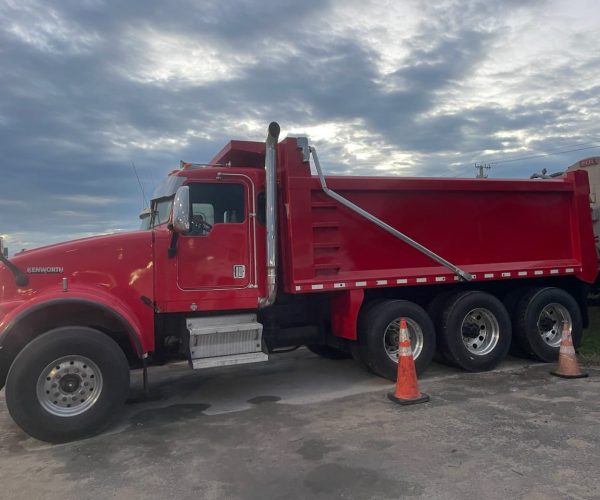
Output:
x=392 y=335
x=480 y=331
x=549 y=323
x=69 y=386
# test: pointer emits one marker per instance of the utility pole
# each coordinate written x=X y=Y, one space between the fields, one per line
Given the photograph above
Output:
x=481 y=170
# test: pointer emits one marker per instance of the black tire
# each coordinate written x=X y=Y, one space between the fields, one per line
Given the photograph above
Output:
x=327 y=352
x=24 y=405
x=435 y=309
x=374 y=326
x=357 y=349
x=492 y=320
x=529 y=312
x=511 y=301
x=357 y=355
x=512 y=298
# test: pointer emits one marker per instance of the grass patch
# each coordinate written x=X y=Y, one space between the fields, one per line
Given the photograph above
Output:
x=589 y=352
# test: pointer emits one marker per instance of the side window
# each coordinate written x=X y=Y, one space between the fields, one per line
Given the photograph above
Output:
x=215 y=203
x=204 y=210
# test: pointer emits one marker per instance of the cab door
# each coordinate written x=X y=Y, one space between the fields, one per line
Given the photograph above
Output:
x=216 y=254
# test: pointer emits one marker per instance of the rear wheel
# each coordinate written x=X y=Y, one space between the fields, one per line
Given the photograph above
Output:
x=511 y=301
x=435 y=309
x=379 y=336
x=357 y=350
x=67 y=384
x=538 y=322
x=475 y=331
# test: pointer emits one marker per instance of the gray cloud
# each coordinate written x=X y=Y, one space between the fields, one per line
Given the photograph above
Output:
x=88 y=87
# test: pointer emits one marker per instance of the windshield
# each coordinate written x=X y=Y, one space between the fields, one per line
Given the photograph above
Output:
x=168 y=187
x=161 y=211
x=145 y=219
x=145 y=224
x=162 y=201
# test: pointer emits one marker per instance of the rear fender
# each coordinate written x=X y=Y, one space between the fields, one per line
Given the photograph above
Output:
x=345 y=307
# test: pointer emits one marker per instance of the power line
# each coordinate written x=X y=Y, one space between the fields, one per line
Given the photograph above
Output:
x=530 y=157
x=566 y=146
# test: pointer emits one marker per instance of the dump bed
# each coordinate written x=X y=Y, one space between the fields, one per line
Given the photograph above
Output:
x=494 y=229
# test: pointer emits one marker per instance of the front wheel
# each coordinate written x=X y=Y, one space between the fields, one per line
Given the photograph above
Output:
x=67 y=384
x=379 y=336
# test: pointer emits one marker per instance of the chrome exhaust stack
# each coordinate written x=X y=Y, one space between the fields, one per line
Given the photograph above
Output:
x=271 y=214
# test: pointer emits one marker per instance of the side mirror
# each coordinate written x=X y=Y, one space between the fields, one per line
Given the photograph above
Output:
x=181 y=210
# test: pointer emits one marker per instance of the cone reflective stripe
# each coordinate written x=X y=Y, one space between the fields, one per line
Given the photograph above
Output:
x=407 y=388
x=568 y=367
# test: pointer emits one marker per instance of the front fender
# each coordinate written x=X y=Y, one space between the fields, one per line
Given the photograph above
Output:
x=78 y=295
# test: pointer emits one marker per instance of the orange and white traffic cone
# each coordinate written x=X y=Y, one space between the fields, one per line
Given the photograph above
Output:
x=567 y=360
x=407 y=388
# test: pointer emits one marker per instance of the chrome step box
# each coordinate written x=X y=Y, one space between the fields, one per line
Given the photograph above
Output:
x=225 y=340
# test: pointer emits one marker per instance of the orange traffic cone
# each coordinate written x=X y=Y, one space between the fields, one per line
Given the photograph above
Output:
x=407 y=388
x=567 y=361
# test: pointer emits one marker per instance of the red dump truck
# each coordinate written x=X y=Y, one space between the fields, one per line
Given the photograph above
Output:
x=252 y=253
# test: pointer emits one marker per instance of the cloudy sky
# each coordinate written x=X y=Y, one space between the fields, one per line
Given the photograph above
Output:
x=88 y=87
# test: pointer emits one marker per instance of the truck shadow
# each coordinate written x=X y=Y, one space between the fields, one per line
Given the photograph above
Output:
x=178 y=394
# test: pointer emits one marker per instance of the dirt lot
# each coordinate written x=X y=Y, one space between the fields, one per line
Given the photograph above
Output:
x=303 y=427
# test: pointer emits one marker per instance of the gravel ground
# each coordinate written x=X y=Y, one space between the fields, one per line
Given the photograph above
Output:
x=304 y=427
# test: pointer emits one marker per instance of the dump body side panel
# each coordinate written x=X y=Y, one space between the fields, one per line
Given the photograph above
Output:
x=496 y=229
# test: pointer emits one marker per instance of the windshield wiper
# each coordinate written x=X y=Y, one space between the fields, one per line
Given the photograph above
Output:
x=21 y=278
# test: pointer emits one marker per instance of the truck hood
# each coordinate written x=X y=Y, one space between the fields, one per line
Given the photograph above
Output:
x=69 y=244
x=117 y=261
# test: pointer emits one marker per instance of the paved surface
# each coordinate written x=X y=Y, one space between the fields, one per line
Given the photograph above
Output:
x=303 y=427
